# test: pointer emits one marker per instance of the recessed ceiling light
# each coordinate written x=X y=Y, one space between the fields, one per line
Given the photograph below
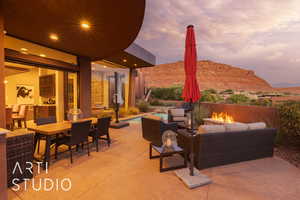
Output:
x=104 y=66
x=5 y=81
x=53 y=37
x=42 y=55
x=85 y=25
x=135 y=64
x=124 y=60
x=24 y=49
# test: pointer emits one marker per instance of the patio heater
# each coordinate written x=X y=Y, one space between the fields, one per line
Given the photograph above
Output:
x=118 y=100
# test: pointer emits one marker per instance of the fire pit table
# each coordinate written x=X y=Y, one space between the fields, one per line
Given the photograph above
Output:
x=219 y=119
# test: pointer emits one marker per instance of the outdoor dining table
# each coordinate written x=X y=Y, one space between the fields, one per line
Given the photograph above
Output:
x=51 y=130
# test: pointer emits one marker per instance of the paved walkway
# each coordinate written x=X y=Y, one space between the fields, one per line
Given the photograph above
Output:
x=124 y=171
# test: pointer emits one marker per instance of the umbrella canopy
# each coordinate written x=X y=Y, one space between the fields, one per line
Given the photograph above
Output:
x=191 y=92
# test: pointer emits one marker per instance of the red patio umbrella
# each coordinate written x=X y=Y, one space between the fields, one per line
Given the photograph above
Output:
x=191 y=91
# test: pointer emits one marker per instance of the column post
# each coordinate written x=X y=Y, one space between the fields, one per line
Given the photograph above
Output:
x=132 y=75
x=2 y=86
x=3 y=165
x=85 y=81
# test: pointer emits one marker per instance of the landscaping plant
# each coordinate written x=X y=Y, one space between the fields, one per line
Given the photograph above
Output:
x=143 y=106
x=210 y=96
x=289 y=116
x=200 y=112
x=238 y=99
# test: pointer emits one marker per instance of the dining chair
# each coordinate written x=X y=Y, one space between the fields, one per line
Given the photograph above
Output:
x=78 y=136
x=43 y=121
x=15 y=108
x=21 y=116
x=101 y=131
x=9 y=120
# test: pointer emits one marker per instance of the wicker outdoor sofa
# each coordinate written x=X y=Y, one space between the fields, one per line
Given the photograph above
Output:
x=215 y=149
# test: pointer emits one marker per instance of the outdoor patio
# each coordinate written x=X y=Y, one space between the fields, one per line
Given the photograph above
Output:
x=124 y=171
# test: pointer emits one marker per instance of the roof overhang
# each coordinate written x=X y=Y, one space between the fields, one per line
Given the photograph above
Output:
x=133 y=57
x=114 y=24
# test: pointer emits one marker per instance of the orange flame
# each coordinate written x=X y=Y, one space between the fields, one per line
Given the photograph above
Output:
x=222 y=117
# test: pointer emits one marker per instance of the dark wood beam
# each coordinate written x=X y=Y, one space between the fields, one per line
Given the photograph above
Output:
x=85 y=81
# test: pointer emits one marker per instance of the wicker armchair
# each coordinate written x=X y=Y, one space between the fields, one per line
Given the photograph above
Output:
x=153 y=130
x=177 y=115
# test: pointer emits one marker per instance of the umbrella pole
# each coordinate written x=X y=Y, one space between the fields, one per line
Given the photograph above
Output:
x=192 y=140
x=192 y=117
x=117 y=107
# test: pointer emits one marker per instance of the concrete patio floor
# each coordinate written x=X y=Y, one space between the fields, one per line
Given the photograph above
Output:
x=124 y=171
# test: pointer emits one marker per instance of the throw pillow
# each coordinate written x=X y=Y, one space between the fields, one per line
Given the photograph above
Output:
x=179 y=112
x=236 y=127
x=257 y=125
x=212 y=128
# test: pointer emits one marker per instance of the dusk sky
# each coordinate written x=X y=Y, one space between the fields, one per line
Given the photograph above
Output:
x=259 y=35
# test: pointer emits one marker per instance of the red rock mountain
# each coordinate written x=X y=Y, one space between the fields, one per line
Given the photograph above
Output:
x=209 y=75
x=290 y=90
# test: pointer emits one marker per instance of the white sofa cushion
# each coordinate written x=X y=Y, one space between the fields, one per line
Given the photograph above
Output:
x=257 y=125
x=236 y=127
x=211 y=128
x=177 y=112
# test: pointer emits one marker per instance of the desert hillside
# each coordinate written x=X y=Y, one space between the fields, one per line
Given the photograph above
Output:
x=290 y=90
x=209 y=74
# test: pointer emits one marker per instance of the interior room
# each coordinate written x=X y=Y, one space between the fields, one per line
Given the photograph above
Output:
x=34 y=92
x=103 y=86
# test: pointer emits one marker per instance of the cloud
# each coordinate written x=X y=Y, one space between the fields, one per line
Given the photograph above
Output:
x=232 y=31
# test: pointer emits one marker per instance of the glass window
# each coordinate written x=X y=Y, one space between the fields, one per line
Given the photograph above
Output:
x=46 y=92
x=103 y=85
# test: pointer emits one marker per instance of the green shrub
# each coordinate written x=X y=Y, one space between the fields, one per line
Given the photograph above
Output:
x=171 y=93
x=289 y=116
x=143 y=106
x=211 y=91
x=228 y=91
x=200 y=112
x=261 y=102
x=237 y=99
x=207 y=96
x=156 y=102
